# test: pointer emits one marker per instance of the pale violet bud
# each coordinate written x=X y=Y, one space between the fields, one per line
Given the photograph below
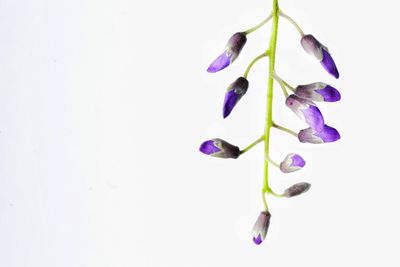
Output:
x=318 y=92
x=306 y=110
x=231 y=52
x=220 y=149
x=297 y=189
x=312 y=46
x=326 y=135
x=261 y=226
x=234 y=93
x=292 y=163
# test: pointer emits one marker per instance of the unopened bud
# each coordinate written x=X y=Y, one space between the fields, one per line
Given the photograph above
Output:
x=220 y=149
x=297 y=189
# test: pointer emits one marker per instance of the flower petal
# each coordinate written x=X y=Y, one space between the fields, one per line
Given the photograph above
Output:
x=292 y=163
x=329 y=94
x=329 y=64
x=229 y=102
x=326 y=135
x=220 y=63
x=209 y=148
x=234 y=93
x=313 y=117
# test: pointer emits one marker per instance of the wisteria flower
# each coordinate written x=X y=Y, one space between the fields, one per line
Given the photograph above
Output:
x=261 y=226
x=318 y=92
x=312 y=46
x=326 y=135
x=231 y=52
x=301 y=102
x=292 y=163
x=233 y=94
x=307 y=111
x=220 y=149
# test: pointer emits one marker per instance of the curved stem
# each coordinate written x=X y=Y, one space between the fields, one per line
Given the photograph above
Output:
x=259 y=25
x=292 y=21
x=268 y=120
x=284 y=129
x=275 y=194
x=285 y=92
x=273 y=163
x=265 y=54
x=280 y=80
x=259 y=140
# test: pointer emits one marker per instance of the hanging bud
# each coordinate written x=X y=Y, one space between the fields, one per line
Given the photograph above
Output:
x=260 y=228
x=318 y=92
x=326 y=135
x=220 y=149
x=321 y=52
x=297 y=189
x=291 y=163
x=231 y=52
x=307 y=111
x=233 y=94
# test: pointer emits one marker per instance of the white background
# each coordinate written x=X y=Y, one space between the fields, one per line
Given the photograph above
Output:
x=103 y=105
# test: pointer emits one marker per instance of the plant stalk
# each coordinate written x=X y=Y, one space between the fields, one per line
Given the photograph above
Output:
x=268 y=120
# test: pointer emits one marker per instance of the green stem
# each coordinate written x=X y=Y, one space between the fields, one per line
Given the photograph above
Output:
x=259 y=25
x=268 y=121
x=284 y=129
x=259 y=140
x=265 y=54
x=285 y=92
x=292 y=21
x=275 y=194
x=280 y=80
x=273 y=163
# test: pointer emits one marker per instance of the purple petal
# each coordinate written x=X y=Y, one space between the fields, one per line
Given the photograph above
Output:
x=314 y=117
x=328 y=134
x=329 y=94
x=220 y=63
x=329 y=65
x=231 y=98
x=292 y=163
x=234 y=93
x=209 y=148
x=298 y=161
x=257 y=240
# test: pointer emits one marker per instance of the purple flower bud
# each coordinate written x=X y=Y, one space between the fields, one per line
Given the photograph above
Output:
x=260 y=228
x=296 y=189
x=326 y=135
x=307 y=111
x=231 y=52
x=291 y=163
x=220 y=149
x=321 y=52
x=233 y=94
x=318 y=92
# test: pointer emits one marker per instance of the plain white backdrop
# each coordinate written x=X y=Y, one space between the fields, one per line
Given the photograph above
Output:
x=103 y=105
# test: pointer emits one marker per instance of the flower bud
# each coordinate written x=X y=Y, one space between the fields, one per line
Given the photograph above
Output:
x=326 y=135
x=318 y=92
x=321 y=52
x=296 y=189
x=231 y=52
x=220 y=149
x=307 y=111
x=291 y=163
x=260 y=228
x=233 y=94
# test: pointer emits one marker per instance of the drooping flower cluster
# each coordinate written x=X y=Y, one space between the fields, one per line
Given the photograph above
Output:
x=301 y=102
